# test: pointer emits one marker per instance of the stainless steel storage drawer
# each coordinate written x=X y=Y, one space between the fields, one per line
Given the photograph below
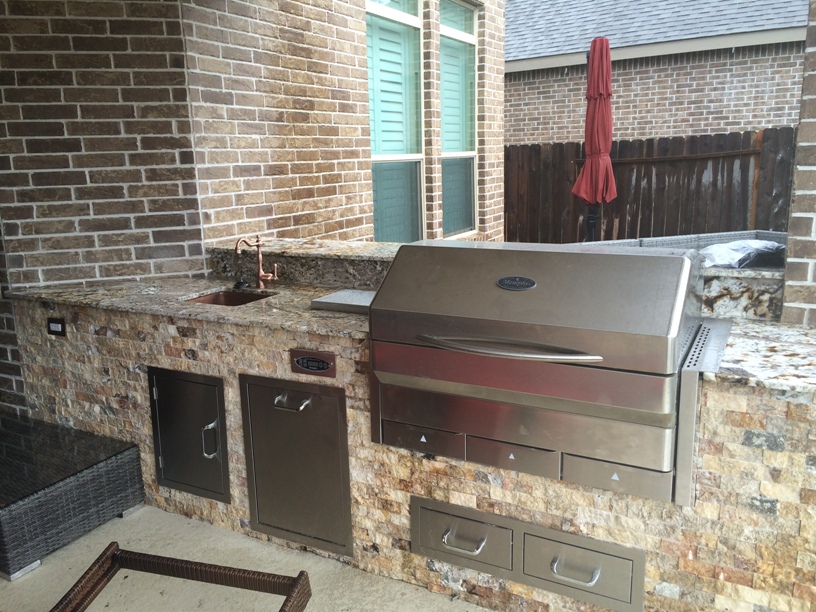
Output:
x=424 y=439
x=465 y=538
x=580 y=568
x=514 y=457
x=602 y=573
x=616 y=477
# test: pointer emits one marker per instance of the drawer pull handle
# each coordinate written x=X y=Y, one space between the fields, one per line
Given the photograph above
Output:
x=280 y=402
x=204 y=452
x=596 y=573
x=464 y=551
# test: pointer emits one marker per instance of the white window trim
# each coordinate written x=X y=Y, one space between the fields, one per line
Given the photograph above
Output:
x=394 y=15
x=398 y=157
x=450 y=32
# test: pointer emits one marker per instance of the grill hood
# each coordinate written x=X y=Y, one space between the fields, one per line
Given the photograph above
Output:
x=614 y=308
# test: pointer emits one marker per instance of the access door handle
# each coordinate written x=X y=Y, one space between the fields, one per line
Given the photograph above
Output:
x=593 y=579
x=479 y=545
x=204 y=453
x=281 y=403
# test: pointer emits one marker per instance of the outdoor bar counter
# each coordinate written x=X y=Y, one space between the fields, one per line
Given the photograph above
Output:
x=747 y=542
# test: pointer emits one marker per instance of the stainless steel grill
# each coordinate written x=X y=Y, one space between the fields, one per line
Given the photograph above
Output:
x=556 y=361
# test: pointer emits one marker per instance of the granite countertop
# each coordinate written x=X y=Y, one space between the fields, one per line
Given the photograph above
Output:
x=759 y=353
x=772 y=355
x=315 y=247
x=287 y=307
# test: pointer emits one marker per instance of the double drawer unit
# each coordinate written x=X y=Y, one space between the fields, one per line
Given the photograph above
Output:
x=600 y=573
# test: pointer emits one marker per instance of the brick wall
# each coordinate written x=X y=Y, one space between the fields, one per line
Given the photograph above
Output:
x=490 y=117
x=96 y=166
x=279 y=95
x=696 y=93
x=799 y=306
x=100 y=181
x=12 y=387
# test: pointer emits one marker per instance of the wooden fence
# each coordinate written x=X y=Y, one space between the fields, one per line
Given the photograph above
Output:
x=666 y=187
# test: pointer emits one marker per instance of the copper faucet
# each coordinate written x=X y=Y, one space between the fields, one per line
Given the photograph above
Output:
x=262 y=276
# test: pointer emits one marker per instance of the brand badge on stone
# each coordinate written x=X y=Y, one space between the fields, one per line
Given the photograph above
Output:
x=516 y=283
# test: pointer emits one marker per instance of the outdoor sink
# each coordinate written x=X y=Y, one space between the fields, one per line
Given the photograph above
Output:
x=229 y=298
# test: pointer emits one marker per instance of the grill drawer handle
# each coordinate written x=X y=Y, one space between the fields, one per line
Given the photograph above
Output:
x=280 y=403
x=204 y=452
x=482 y=346
x=479 y=545
x=596 y=573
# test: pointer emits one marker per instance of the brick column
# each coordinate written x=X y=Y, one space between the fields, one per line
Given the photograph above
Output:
x=799 y=306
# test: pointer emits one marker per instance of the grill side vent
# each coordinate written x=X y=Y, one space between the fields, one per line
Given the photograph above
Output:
x=709 y=345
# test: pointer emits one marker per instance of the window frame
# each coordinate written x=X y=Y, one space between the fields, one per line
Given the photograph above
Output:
x=471 y=39
x=414 y=21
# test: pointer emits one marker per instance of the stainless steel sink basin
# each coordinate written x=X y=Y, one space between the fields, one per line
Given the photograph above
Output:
x=229 y=298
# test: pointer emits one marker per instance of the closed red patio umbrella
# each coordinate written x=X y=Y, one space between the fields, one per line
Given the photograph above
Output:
x=596 y=183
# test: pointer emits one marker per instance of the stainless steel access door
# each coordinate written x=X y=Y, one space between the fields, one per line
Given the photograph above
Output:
x=297 y=461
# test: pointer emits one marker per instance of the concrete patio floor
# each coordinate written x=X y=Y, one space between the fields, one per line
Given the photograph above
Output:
x=336 y=587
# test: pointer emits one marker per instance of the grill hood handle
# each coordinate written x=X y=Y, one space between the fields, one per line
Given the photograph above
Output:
x=510 y=349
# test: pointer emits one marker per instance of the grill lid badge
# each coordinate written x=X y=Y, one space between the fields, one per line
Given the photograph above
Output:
x=516 y=283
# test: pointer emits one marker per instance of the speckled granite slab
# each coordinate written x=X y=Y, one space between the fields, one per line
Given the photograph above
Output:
x=772 y=355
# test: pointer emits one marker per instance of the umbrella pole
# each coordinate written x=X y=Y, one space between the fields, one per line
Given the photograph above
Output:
x=592 y=222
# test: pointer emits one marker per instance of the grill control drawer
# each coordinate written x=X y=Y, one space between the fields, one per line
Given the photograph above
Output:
x=474 y=540
x=580 y=568
x=424 y=439
x=616 y=477
x=514 y=457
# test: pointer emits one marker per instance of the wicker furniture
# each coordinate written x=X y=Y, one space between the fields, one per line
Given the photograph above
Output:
x=296 y=589
x=57 y=484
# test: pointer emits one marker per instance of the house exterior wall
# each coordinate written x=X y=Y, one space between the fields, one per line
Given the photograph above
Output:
x=726 y=90
x=279 y=100
x=799 y=301
x=99 y=179
x=134 y=133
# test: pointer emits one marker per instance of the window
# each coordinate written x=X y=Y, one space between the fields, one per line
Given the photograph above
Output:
x=458 y=86
x=395 y=86
x=394 y=38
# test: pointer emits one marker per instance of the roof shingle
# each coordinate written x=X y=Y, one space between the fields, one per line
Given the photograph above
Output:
x=542 y=28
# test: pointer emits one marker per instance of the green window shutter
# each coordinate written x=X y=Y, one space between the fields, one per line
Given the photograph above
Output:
x=393 y=83
x=458 y=96
x=457 y=195
x=458 y=135
x=396 y=201
x=394 y=110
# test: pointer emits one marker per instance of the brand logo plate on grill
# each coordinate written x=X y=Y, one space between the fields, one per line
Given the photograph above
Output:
x=516 y=283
